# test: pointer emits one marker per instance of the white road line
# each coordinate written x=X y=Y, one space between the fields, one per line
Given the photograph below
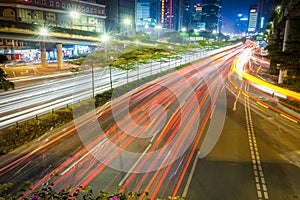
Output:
x=135 y=164
x=212 y=112
x=75 y=163
x=191 y=176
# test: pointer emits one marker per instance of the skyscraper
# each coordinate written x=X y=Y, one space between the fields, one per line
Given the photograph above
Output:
x=252 y=19
x=187 y=14
x=212 y=15
x=119 y=11
x=265 y=9
x=198 y=23
x=241 y=24
x=171 y=14
x=142 y=14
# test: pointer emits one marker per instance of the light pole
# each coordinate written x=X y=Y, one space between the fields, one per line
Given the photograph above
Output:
x=43 y=32
x=127 y=23
x=215 y=33
x=104 y=39
x=74 y=16
x=158 y=28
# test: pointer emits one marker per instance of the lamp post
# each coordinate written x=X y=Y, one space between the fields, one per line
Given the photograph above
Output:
x=104 y=39
x=43 y=32
x=158 y=28
x=74 y=15
x=127 y=23
x=215 y=33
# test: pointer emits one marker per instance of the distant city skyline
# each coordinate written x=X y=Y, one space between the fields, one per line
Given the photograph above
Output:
x=230 y=10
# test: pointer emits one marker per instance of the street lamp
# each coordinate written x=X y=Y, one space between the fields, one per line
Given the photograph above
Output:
x=74 y=16
x=104 y=39
x=43 y=31
x=127 y=23
x=158 y=28
x=215 y=33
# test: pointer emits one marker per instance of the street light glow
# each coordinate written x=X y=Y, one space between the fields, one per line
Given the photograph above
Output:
x=74 y=14
x=158 y=26
x=127 y=21
x=43 y=31
x=105 y=38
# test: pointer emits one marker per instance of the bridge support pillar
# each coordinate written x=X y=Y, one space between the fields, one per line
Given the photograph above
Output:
x=43 y=54
x=59 y=56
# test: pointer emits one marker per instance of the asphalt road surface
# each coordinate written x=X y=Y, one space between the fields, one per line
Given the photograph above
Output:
x=256 y=157
x=149 y=140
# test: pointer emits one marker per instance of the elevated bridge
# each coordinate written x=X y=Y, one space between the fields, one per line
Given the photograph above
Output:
x=65 y=36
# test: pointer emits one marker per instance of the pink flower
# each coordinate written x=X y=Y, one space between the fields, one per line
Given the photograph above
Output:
x=113 y=198
x=35 y=197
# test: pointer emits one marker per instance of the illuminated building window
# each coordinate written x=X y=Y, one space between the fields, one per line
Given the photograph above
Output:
x=51 y=3
x=44 y=2
x=63 y=5
x=57 y=4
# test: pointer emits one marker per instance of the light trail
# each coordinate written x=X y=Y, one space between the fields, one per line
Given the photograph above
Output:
x=143 y=102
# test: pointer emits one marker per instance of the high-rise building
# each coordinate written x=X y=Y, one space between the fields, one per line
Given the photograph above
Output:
x=155 y=11
x=142 y=14
x=147 y=14
x=121 y=15
x=241 y=24
x=171 y=14
x=212 y=15
x=265 y=10
x=187 y=14
x=253 y=12
x=198 y=23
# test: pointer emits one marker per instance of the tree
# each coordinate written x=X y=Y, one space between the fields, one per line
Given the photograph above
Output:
x=4 y=83
x=3 y=58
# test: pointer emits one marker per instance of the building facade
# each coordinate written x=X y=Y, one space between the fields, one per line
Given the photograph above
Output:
x=172 y=14
x=252 y=23
x=91 y=16
x=187 y=14
x=68 y=14
x=212 y=15
x=265 y=10
x=198 y=22
x=121 y=16
x=241 y=24
x=143 y=18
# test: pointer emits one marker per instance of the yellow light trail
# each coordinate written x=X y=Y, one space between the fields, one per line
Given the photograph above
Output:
x=283 y=115
x=237 y=67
